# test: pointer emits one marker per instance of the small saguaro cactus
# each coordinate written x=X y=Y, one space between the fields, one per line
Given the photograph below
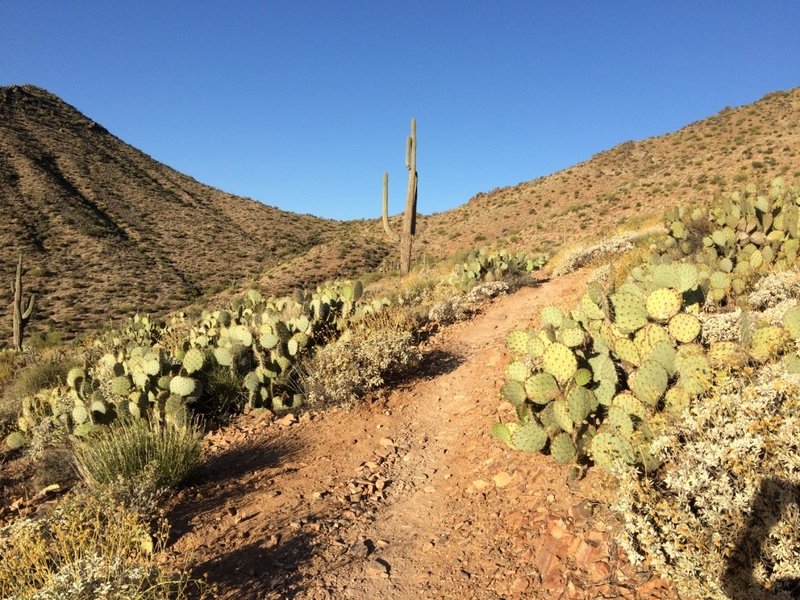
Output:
x=21 y=317
x=410 y=219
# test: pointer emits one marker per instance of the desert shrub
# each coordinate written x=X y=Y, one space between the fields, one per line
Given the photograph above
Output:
x=774 y=289
x=223 y=395
x=460 y=307
x=92 y=545
x=356 y=364
x=722 y=519
x=131 y=449
x=43 y=374
x=8 y=366
x=572 y=259
x=40 y=375
x=45 y=339
x=575 y=258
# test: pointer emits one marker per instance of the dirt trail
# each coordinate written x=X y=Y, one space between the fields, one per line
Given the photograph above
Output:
x=406 y=496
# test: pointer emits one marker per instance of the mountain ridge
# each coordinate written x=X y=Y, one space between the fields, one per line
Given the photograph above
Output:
x=107 y=230
x=79 y=202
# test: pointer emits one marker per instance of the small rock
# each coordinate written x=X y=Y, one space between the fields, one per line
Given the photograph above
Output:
x=600 y=570
x=519 y=585
x=502 y=479
x=378 y=566
x=464 y=574
x=480 y=484
x=385 y=441
x=581 y=512
x=362 y=549
x=287 y=420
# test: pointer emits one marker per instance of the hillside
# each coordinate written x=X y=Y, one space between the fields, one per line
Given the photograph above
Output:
x=631 y=181
x=106 y=230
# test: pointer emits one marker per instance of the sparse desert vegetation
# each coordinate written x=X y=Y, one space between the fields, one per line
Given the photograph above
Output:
x=609 y=415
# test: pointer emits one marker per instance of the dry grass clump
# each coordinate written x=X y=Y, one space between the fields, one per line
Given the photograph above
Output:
x=92 y=545
x=140 y=449
x=722 y=518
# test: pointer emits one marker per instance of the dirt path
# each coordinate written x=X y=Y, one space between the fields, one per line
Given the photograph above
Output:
x=406 y=496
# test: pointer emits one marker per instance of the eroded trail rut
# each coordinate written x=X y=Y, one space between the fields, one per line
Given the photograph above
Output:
x=406 y=496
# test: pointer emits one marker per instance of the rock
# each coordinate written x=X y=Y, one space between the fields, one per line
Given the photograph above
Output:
x=600 y=570
x=581 y=512
x=515 y=520
x=385 y=441
x=362 y=549
x=378 y=566
x=519 y=585
x=480 y=484
x=502 y=479
x=287 y=420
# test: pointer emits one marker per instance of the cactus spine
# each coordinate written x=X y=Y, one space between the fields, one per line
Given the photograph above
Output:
x=21 y=316
x=406 y=236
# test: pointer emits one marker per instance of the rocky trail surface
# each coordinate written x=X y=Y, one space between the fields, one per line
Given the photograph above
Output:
x=407 y=495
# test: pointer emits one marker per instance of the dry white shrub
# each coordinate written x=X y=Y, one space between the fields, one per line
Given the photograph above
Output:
x=720 y=327
x=773 y=315
x=352 y=366
x=775 y=289
x=722 y=517
x=578 y=257
x=459 y=308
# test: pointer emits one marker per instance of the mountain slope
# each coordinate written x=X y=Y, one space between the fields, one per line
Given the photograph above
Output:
x=634 y=180
x=106 y=230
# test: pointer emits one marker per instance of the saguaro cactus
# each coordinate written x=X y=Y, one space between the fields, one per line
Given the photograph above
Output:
x=410 y=219
x=21 y=317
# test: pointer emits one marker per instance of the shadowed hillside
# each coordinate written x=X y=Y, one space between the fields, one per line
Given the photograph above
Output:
x=106 y=230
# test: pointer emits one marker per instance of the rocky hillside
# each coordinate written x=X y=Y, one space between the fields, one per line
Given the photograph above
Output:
x=105 y=230
x=630 y=182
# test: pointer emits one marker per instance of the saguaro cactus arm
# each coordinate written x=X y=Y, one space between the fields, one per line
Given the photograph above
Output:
x=21 y=316
x=386 y=227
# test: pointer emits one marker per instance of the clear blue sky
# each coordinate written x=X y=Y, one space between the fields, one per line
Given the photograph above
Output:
x=303 y=104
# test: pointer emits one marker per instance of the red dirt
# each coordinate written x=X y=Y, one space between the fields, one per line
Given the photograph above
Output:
x=407 y=495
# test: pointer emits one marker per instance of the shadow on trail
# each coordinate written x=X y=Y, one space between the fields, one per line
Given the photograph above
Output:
x=770 y=504
x=247 y=457
x=212 y=486
x=255 y=571
x=437 y=363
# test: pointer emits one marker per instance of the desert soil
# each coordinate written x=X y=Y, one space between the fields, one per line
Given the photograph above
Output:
x=406 y=495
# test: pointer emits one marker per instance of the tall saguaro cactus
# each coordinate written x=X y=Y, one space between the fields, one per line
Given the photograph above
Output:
x=21 y=317
x=410 y=218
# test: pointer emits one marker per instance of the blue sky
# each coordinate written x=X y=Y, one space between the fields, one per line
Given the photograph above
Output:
x=303 y=104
